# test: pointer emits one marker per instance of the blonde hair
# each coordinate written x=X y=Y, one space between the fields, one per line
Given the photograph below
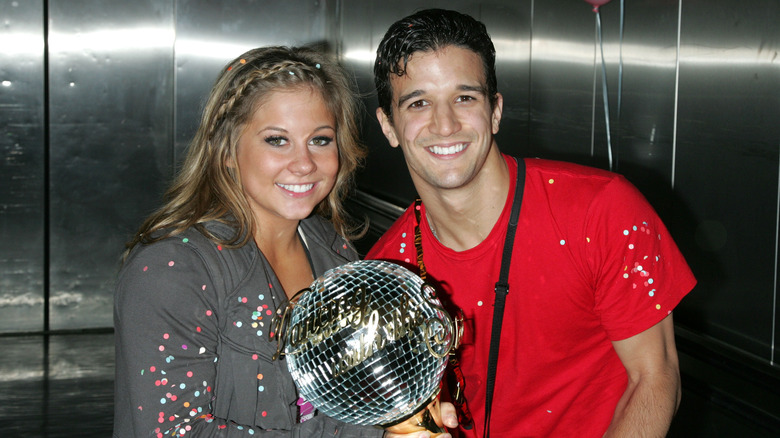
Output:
x=207 y=189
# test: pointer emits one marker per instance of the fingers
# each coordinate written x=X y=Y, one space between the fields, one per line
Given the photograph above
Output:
x=443 y=412
x=423 y=434
x=448 y=415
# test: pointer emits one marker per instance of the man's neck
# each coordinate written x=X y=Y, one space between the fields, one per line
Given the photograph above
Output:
x=462 y=218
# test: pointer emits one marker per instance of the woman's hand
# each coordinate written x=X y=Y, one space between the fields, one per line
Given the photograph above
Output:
x=443 y=414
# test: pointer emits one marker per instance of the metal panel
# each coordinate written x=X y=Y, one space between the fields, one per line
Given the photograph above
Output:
x=111 y=134
x=562 y=95
x=704 y=170
x=209 y=34
x=644 y=129
x=22 y=168
x=125 y=51
x=125 y=97
x=567 y=109
x=44 y=379
x=727 y=168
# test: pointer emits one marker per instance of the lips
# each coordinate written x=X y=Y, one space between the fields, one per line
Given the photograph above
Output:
x=296 y=188
x=448 y=150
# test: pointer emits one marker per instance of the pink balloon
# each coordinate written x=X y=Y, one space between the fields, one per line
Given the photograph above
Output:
x=597 y=3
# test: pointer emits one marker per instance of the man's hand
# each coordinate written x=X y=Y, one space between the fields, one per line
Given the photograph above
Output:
x=443 y=414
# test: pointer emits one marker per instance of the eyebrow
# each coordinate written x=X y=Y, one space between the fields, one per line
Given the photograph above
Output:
x=409 y=96
x=284 y=131
x=272 y=128
x=477 y=89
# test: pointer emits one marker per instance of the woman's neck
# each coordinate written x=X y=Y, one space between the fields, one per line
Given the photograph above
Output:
x=288 y=258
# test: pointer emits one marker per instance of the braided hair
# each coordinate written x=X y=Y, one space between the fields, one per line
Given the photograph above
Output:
x=207 y=189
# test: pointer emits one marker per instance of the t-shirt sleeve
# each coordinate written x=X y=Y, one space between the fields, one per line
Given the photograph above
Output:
x=640 y=274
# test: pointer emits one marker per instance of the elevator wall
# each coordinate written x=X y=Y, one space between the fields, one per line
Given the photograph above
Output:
x=99 y=98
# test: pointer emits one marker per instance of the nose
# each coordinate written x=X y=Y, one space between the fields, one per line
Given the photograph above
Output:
x=302 y=162
x=445 y=121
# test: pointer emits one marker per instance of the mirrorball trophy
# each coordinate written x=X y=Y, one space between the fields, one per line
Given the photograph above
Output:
x=367 y=344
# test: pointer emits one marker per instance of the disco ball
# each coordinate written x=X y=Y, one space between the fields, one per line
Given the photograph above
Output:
x=367 y=343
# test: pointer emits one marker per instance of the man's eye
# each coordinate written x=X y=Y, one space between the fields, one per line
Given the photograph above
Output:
x=418 y=104
x=323 y=140
x=276 y=140
x=466 y=98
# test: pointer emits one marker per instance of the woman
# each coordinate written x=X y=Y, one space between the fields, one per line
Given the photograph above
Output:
x=234 y=241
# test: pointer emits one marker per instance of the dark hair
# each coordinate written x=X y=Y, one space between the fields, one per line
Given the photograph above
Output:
x=427 y=31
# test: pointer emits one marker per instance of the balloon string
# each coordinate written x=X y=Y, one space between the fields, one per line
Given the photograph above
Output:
x=605 y=93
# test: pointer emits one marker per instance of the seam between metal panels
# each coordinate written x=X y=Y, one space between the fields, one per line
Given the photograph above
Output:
x=676 y=94
x=774 y=292
x=593 y=94
x=46 y=173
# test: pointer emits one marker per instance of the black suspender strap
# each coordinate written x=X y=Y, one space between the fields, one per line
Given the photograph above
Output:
x=502 y=289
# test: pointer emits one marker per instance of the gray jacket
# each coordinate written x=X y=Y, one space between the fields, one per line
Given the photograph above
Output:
x=193 y=341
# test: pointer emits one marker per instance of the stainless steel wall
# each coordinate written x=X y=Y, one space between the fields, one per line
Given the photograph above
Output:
x=109 y=134
x=22 y=168
x=98 y=99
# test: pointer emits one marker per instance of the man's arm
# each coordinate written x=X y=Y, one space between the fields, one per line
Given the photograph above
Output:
x=653 y=392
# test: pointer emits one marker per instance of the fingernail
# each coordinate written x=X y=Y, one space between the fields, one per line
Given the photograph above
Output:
x=451 y=420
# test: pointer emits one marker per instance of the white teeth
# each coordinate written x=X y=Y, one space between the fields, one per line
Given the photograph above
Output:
x=296 y=188
x=449 y=150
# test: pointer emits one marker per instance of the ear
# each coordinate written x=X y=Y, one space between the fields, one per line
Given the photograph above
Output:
x=497 y=110
x=387 y=128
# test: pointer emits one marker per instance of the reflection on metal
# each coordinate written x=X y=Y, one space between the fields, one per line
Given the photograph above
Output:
x=22 y=161
x=220 y=52
x=110 y=73
x=676 y=94
x=697 y=132
x=112 y=40
x=19 y=42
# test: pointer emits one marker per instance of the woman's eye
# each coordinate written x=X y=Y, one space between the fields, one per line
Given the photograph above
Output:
x=322 y=140
x=276 y=140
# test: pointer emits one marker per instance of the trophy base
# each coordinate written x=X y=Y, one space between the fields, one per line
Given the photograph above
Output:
x=425 y=419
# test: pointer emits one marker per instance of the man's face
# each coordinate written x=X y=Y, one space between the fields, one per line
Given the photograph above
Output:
x=442 y=118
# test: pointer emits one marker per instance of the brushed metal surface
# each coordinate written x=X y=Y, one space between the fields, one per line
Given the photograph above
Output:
x=726 y=178
x=111 y=125
x=98 y=105
x=22 y=166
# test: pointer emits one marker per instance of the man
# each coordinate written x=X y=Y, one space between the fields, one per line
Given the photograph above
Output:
x=587 y=341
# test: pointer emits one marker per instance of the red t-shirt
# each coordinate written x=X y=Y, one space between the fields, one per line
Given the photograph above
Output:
x=592 y=263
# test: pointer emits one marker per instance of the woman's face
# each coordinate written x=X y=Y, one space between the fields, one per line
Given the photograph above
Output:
x=288 y=156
